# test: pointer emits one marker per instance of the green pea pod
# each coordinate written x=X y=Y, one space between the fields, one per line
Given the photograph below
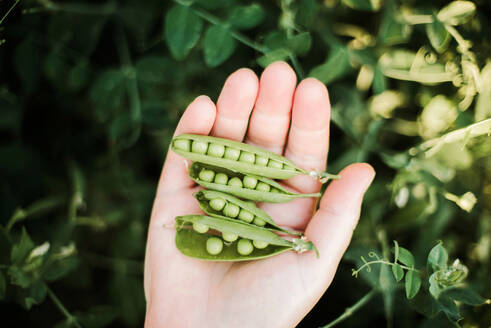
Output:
x=281 y=196
x=193 y=244
x=204 y=197
x=260 y=162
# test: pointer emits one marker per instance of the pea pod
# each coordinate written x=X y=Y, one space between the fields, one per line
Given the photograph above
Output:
x=193 y=244
x=270 y=191
x=204 y=198
x=240 y=157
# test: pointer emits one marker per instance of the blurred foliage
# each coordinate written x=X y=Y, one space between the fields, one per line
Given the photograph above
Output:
x=90 y=93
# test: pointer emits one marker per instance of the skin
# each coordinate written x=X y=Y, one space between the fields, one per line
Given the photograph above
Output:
x=185 y=292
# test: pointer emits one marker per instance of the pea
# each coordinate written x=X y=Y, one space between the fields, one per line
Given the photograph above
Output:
x=217 y=204
x=250 y=182
x=231 y=210
x=244 y=247
x=200 y=227
x=232 y=153
x=216 y=150
x=275 y=164
x=259 y=222
x=183 y=144
x=261 y=160
x=246 y=216
x=274 y=190
x=229 y=236
x=199 y=147
x=246 y=157
x=235 y=182
x=206 y=175
x=288 y=167
x=221 y=178
x=214 y=245
x=260 y=244
x=261 y=186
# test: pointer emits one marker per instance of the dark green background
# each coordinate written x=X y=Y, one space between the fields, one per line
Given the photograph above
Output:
x=90 y=93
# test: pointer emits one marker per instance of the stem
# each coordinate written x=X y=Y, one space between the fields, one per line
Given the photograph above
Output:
x=296 y=65
x=352 y=309
x=8 y=11
x=108 y=8
x=418 y=19
x=355 y=272
x=71 y=319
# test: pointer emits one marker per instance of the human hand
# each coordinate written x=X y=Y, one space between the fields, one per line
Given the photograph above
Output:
x=274 y=292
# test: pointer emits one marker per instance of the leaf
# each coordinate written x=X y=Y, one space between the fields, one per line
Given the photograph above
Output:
x=78 y=75
x=97 y=316
x=457 y=12
x=182 y=30
x=406 y=257
x=307 y=11
x=379 y=80
x=396 y=251
x=367 y=5
x=392 y=29
x=272 y=56
x=425 y=304
x=464 y=295
x=218 y=45
x=108 y=92
x=213 y=4
x=434 y=289
x=300 y=43
x=398 y=272
x=156 y=69
x=3 y=285
x=58 y=269
x=36 y=294
x=483 y=110
x=450 y=309
x=413 y=284
x=438 y=36
x=336 y=66
x=437 y=258
x=21 y=249
x=246 y=17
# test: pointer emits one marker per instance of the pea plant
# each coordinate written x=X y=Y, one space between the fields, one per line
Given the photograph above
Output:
x=91 y=92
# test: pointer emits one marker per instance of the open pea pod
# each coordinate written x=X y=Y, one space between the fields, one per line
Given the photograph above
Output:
x=205 y=196
x=280 y=196
x=193 y=244
x=240 y=157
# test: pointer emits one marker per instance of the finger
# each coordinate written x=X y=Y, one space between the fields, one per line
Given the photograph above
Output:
x=270 y=118
x=308 y=140
x=332 y=226
x=235 y=104
x=198 y=119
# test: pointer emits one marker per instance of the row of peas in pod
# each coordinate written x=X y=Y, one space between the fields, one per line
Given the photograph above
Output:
x=236 y=175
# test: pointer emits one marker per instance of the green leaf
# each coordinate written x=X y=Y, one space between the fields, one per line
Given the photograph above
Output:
x=246 y=17
x=464 y=295
x=396 y=251
x=306 y=13
x=450 y=309
x=406 y=257
x=58 y=269
x=413 y=283
x=19 y=277
x=36 y=294
x=97 y=316
x=182 y=30
x=213 y=4
x=336 y=66
x=367 y=5
x=300 y=43
x=78 y=75
x=218 y=45
x=398 y=272
x=457 y=12
x=483 y=110
x=379 y=80
x=438 y=35
x=108 y=91
x=437 y=258
x=3 y=285
x=434 y=289
x=156 y=69
x=272 y=56
x=392 y=29
x=21 y=249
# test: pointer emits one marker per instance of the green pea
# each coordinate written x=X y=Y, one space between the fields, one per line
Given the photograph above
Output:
x=247 y=157
x=221 y=178
x=206 y=175
x=261 y=186
x=244 y=246
x=275 y=164
x=235 y=182
x=183 y=144
x=200 y=227
x=230 y=236
x=250 y=182
x=217 y=204
x=274 y=190
x=214 y=245
x=216 y=150
x=259 y=222
x=231 y=210
x=261 y=160
x=288 y=167
x=246 y=216
x=232 y=153
x=199 y=147
x=260 y=244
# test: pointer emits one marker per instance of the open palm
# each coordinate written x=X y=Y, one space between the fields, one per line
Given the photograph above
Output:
x=291 y=120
